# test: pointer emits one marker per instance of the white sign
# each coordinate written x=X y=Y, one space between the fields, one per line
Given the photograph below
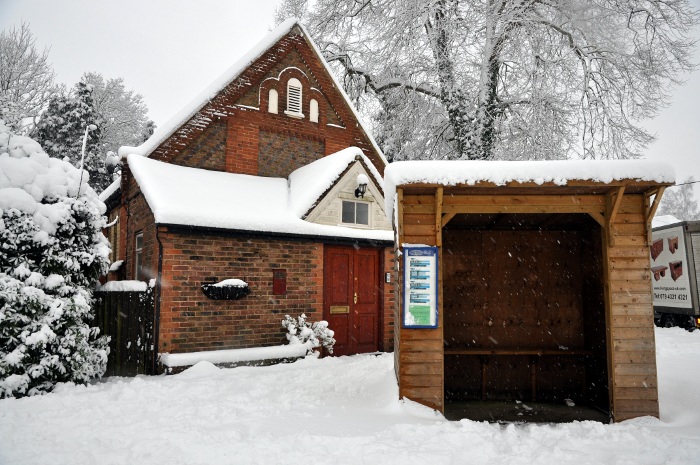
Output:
x=669 y=270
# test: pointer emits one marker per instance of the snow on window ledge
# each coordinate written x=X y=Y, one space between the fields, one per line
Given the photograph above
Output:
x=294 y=114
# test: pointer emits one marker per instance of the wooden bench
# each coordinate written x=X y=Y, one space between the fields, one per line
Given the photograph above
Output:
x=534 y=354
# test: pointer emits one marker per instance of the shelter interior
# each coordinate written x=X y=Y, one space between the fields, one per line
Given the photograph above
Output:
x=524 y=315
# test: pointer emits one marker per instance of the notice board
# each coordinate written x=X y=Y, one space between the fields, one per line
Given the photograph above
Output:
x=420 y=287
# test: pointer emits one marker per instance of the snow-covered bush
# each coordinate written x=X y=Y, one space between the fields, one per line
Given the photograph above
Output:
x=51 y=253
x=300 y=331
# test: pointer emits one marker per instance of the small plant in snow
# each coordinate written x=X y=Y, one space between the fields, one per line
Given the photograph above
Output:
x=300 y=331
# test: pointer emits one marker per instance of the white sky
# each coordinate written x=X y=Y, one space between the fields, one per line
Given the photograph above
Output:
x=170 y=50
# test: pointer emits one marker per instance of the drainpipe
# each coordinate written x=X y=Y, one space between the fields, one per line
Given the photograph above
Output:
x=159 y=288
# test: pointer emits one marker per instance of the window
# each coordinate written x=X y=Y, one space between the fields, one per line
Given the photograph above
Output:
x=294 y=98
x=272 y=101
x=313 y=111
x=355 y=213
x=138 y=256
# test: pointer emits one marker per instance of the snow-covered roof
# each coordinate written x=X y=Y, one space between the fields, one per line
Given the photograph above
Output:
x=500 y=173
x=664 y=220
x=186 y=196
x=109 y=190
x=179 y=119
x=309 y=182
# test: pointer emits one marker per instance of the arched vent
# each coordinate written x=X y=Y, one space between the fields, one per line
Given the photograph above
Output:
x=294 y=98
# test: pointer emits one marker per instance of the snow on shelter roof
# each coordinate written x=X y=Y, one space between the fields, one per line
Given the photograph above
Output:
x=186 y=196
x=557 y=172
x=173 y=124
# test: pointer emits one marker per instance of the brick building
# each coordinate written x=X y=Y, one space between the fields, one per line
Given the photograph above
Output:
x=259 y=180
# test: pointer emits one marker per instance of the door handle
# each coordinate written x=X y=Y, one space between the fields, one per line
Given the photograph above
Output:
x=354 y=300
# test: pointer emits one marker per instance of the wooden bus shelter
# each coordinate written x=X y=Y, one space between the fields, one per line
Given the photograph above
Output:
x=544 y=291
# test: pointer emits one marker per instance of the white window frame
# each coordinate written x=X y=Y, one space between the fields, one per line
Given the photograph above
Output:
x=138 y=256
x=295 y=98
x=272 y=101
x=355 y=223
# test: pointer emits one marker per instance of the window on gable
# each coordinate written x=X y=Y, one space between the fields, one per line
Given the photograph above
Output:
x=272 y=101
x=313 y=111
x=294 y=98
x=138 y=256
x=355 y=213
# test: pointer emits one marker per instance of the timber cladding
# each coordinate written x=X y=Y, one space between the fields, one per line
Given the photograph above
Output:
x=544 y=294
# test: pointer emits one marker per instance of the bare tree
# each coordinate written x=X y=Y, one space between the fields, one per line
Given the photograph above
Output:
x=509 y=79
x=680 y=201
x=26 y=78
x=123 y=112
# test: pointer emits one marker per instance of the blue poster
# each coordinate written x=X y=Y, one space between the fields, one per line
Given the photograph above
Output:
x=420 y=286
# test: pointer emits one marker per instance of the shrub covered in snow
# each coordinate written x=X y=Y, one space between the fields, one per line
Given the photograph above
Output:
x=51 y=253
x=300 y=331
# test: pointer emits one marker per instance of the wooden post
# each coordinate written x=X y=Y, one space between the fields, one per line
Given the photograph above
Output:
x=438 y=217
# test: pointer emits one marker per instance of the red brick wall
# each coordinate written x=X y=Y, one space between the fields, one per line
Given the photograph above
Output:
x=389 y=300
x=208 y=151
x=279 y=154
x=189 y=321
x=140 y=218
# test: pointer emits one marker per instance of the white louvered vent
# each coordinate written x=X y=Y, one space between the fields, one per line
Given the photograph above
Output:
x=294 y=98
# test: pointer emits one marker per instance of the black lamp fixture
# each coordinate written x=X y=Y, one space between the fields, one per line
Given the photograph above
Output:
x=361 y=185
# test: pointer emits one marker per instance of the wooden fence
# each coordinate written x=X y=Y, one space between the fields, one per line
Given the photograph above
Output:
x=127 y=317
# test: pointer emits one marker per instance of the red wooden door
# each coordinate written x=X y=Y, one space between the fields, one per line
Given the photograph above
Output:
x=351 y=298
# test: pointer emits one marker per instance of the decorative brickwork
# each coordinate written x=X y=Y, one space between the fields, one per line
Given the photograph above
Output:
x=208 y=151
x=296 y=58
x=279 y=154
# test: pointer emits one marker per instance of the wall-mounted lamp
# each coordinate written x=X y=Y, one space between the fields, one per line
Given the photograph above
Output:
x=361 y=185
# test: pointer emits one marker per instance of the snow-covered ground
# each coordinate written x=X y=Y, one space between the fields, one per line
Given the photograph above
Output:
x=330 y=411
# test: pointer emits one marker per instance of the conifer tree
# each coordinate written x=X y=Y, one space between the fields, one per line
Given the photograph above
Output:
x=52 y=253
x=62 y=128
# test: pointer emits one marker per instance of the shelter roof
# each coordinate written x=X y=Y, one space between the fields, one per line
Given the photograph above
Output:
x=490 y=177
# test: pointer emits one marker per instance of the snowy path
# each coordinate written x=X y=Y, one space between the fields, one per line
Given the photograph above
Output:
x=336 y=410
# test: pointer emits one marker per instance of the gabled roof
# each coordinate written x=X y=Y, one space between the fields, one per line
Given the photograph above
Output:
x=164 y=132
x=308 y=184
x=184 y=196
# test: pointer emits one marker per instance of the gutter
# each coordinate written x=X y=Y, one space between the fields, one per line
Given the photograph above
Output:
x=178 y=228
